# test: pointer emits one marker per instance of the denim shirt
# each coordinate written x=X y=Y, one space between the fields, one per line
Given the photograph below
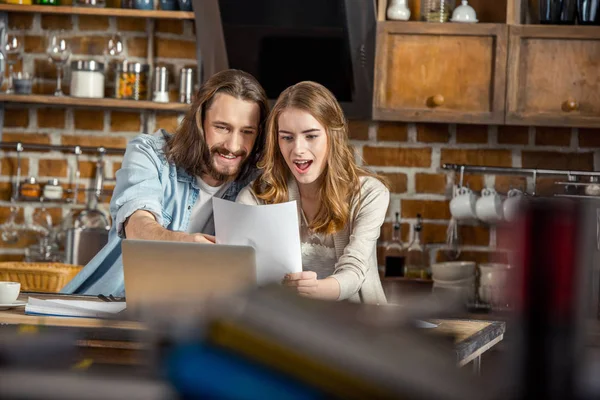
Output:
x=146 y=181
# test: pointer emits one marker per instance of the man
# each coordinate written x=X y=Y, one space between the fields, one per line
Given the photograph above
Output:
x=166 y=183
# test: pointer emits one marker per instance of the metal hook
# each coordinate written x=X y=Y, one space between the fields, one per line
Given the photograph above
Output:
x=462 y=175
x=534 y=181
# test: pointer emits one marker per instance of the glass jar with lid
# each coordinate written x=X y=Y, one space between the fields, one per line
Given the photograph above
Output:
x=437 y=10
x=132 y=81
x=53 y=190
x=30 y=189
x=87 y=79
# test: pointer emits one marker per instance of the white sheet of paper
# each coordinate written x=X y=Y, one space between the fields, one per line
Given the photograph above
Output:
x=272 y=229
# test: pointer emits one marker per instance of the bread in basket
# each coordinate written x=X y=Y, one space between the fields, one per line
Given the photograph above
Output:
x=38 y=277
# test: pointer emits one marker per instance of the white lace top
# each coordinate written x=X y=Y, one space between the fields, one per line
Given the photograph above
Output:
x=318 y=251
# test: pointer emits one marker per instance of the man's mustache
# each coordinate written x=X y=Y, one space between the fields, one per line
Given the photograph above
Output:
x=224 y=151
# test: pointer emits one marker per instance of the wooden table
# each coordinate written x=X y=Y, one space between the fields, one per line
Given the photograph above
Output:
x=115 y=341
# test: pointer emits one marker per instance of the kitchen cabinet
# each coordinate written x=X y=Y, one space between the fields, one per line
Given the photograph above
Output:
x=553 y=76
x=440 y=72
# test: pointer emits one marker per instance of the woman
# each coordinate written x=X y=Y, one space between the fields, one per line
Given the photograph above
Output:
x=341 y=206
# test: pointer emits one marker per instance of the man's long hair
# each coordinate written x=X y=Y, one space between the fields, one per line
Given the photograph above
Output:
x=340 y=180
x=187 y=148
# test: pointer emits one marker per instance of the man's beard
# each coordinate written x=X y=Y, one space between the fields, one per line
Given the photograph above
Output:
x=213 y=170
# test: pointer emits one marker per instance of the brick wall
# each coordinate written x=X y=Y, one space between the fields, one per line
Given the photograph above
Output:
x=174 y=47
x=410 y=155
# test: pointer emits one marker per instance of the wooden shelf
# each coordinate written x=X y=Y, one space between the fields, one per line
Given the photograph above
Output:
x=109 y=12
x=96 y=103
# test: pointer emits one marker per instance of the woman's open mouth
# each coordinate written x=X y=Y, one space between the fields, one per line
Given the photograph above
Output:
x=302 y=166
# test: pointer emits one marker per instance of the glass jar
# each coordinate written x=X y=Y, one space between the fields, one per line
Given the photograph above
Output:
x=53 y=190
x=132 y=81
x=87 y=79
x=437 y=10
x=30 y=189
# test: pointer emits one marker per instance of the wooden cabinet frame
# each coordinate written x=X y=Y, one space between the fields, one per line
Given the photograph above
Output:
x=496 y=113
x=517 y=35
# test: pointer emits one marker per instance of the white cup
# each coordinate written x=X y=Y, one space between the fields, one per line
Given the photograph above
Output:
x=462 y=206
x=9 y=291
x=489 y=206
x=511 y=204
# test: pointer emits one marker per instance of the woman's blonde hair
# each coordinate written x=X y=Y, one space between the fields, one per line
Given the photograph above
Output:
x=340 y=183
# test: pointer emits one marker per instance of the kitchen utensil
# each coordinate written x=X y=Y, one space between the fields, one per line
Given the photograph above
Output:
x=511 y=204
x=168 y=5
x=436 y=10
x=132 y=81
x=452 y=240
x=12 y=49
x=489 y=206
x=557 y=12
x=59 y=52
x=186 y=85
x=463 y=205
x=453 y=271
x=92 y=217
x=161 y=85
x=39 y=276
x=83 y=244
x=87 y=79
x=22 y=82
x=185 y=5
x=464 y=13
x=9 y=291
x=398 y=10
x=587 y=12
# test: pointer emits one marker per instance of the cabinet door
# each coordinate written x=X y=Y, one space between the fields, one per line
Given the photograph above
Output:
x=440 y=72
x=554 y=76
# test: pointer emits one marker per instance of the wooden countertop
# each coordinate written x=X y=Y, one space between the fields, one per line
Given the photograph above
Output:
x=471 y=337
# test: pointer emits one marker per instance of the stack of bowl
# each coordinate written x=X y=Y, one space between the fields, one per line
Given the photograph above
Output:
x=457 y=277
x=493 y=284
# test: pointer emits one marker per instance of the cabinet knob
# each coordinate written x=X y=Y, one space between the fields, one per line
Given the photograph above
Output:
x=570 y=105
x=436 y=101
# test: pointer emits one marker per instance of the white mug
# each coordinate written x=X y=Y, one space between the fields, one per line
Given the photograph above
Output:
x=9 y=291
x=489 y=206
x=462 y=206
x=512 y=203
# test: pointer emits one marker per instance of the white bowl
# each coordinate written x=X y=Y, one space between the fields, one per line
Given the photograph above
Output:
x=453 y=271
x=9 y=291
x=494 y=274
x=462 y=282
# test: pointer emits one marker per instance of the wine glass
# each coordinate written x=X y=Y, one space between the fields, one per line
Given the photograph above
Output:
x=59 y=53
x=114 y=47
x=12 y=48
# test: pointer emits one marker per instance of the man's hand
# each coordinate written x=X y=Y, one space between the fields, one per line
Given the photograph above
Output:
x=142 y=225
x=202 y=238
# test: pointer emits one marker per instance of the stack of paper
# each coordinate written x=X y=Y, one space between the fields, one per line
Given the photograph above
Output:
x=73 y=308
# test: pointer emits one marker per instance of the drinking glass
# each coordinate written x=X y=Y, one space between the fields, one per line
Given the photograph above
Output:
x=114 y=46
x=59 y=53
x=12 y=48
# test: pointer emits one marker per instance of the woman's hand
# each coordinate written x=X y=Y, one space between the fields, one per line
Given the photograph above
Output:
x=307 y=284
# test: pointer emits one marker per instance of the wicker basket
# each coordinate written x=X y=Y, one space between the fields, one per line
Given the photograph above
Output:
x=38 y=277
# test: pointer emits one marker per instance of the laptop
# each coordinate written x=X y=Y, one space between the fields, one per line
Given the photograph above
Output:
x=159 y=272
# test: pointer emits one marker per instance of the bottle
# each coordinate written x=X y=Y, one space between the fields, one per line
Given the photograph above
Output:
x=416 y=261
x=588 y=11
x=395 y=253
x=558 y=12
x=398 y=10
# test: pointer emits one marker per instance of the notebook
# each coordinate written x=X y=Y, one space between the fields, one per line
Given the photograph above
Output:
x=73 y=308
